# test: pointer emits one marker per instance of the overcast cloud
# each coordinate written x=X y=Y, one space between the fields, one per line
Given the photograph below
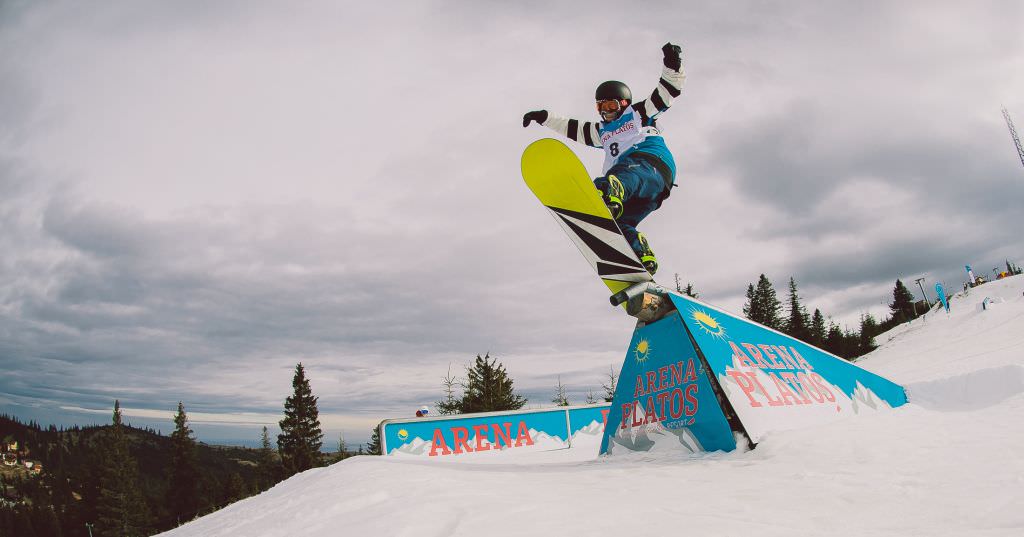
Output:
x=194 y=197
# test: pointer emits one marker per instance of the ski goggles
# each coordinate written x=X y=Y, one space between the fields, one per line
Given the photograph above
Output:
x=608 y=106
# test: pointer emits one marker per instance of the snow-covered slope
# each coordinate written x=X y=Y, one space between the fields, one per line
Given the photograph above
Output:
x=949 y=463
x=968 y=338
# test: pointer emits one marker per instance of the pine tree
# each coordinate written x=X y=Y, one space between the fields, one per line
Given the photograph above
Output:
x=121 y=511
x=489 y=388
x=796 y=324
x=183 y=493
x=763 y=305
x=342 y=446
x=817 y=328
x=609 y=389
x=268 y=466
x=772 y=306
x=688 y=290
x=21 y=523
x=63 y=495
x=843 y=343
x=868 y=330
x=750 y=307
x=46 y=521
x=834 y=339
x=560 y=399
x=374 y=446
x=851 y=344
x=301 y=438
x=234 y=489
x=451 y=404
x=902 y=305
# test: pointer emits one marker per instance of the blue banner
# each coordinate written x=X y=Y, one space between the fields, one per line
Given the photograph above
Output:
x=523 y=430
x=664 y=400
x=776 y=382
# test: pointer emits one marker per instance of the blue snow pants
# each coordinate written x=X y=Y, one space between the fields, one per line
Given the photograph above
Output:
x=644 y=187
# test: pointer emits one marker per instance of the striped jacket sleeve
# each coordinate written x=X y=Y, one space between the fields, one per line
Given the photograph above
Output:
x=584 y=132
x=669 y=87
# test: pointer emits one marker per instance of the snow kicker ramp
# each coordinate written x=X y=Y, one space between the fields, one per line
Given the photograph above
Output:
x=701 y=379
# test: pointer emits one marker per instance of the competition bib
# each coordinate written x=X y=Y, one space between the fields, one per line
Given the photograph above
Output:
x=619 y=136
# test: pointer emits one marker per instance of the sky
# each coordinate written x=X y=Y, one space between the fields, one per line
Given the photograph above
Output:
x=195 y=197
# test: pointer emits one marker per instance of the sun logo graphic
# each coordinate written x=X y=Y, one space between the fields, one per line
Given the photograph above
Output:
x=708 y=324
x=403 y=435
x=642 y=350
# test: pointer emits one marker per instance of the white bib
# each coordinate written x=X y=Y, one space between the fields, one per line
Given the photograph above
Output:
x=621 y=135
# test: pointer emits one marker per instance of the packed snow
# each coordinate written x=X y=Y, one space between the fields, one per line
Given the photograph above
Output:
x=948 y=463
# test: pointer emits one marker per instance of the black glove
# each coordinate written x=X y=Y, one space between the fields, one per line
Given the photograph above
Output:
x=540 y=116
x=672 y=56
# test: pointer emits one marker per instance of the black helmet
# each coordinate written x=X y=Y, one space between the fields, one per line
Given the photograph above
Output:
x=613 y=90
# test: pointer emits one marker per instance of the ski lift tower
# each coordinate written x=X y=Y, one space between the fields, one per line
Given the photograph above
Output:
x=1013 y=134
x=925 y=295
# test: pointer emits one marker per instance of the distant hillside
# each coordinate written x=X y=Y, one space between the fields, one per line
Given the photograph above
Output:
x=71 y=460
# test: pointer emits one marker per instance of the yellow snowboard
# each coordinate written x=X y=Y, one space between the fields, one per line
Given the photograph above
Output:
x=561 y=182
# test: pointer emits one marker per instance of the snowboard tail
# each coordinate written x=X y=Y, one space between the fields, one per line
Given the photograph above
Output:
x=561 y=182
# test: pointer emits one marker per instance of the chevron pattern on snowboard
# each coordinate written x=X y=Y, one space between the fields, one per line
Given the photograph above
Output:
x=602 y=247
x=561 y=182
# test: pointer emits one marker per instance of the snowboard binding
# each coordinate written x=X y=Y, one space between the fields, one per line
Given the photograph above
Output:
x=647 y=255
x=613 y=196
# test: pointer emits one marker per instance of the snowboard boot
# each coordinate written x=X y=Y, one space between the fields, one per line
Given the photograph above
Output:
x=647 y=255
x=613 y=196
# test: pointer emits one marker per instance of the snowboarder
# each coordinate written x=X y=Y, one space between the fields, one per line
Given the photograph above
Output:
x=639 y=171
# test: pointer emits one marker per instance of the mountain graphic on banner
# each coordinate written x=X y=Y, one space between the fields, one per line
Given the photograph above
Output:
x=654 y=437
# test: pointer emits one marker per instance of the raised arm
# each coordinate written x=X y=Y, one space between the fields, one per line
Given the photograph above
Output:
x=584 y=132
x=669 y=86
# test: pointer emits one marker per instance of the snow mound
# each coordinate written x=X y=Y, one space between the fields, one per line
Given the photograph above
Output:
x=971 y=391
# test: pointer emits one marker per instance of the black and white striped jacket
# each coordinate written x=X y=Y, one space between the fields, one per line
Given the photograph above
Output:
x=588 y=132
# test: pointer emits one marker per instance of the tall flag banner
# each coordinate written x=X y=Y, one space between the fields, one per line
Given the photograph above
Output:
x=939 y=290
x=970 y=274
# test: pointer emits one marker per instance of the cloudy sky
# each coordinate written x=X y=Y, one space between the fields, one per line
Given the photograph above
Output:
x=196 y=196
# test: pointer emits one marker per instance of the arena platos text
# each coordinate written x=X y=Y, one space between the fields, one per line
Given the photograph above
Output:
x=797 y=385
x=670 y=392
